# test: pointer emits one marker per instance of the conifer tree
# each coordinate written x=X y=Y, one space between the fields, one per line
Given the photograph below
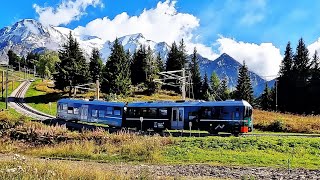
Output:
x=314 y=95
x=152 y=72
x=182 y=54
x=116 y=72
x=266 y=98
x=95 y=65
x=195 y=75
x=173 y=62
x=32 y=59
x=72 y=69
x=160 y=63
x=285 y=80
x=244 y=88
x=301 y=74
x=139 y=66
x=205 y=89
x=214 y=84
x=224 y=91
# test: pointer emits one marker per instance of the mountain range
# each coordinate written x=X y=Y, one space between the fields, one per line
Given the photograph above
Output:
x=29 y=35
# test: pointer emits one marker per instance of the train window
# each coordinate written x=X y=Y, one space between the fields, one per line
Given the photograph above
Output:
x=109 y=110
x=101 y=113
x=144 y=112
x=180 y=115
x=65 y=106
x=206 y=113
x=75 y=110
x=237 y=114
x=59 y=108
x=70 y=110
x=163 y=112
x=94 y=113
x=192 y=115
x=117 y=111
x=153 y=112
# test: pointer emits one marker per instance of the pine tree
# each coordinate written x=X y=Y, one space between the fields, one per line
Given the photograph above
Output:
x=215 y=83
x=72 y=69
x=285 y=83
x=139 y=66
x=301 y=74
x=173 y=61
x=314 y=95
x=224 y=91
x=152 y=72
x=95 y=65
x=116 y=73
x=160 y=63
x=205 y=89
x=244 y=88
x=182 y=54
x=195 y=75
x=266 y=99
x=32 y=59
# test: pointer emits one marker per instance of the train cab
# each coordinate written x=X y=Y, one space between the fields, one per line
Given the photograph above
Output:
x=226 y=116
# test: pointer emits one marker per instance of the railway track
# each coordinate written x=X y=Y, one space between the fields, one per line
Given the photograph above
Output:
x=17 y=102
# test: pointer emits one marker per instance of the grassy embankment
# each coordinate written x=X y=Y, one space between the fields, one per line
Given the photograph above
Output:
x=36 y=139
x=41 y=93
x=11 y=86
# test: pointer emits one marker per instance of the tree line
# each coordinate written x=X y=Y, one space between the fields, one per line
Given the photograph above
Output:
x=123 y=71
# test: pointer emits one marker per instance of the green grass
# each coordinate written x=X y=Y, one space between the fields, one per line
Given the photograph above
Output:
x=246 y=151
x=11 y=111
x=41 y=100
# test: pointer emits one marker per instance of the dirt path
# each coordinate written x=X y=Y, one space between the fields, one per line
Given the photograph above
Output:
x=194 y=170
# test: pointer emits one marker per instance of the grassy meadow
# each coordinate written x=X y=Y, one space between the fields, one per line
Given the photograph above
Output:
x=38 y=140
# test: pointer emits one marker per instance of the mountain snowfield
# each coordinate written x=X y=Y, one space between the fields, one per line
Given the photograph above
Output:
x=29 y=35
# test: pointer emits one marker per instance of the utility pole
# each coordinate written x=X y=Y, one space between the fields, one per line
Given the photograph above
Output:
x=183 y=84
x=2 y=87
x=276 y=94
x=98 y=89
x=7 y=87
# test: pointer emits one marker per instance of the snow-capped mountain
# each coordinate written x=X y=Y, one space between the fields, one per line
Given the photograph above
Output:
x=29 y=35
x=227 y=67
x=132 y=42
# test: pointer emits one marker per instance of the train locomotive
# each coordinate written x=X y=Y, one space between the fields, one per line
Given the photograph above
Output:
x=233 y=116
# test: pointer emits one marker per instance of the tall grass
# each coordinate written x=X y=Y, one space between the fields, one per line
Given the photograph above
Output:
x=274 y=121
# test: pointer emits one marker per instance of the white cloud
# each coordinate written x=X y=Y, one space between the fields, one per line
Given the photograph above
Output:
x=66 y=11
x=254 y=12
x=263 y=59
x=162 y=23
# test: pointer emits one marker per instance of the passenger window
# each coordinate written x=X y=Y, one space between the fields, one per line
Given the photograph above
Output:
x=117 y=111
x=65 y=106
x=153 y=112
x=70 y=110
x=192 y=115
x=237 y=112
x=76 y=111
x=101 y=113
x=144 y=112
x=109 y=110
x=206 y=113
x=163 y=112
x=94 y=113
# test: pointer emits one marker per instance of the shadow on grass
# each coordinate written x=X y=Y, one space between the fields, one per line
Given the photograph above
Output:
x=44 y=99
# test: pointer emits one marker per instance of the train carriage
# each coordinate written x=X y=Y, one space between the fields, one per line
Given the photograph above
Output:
x=110 y=113
x=160 y=115
x=226 y=116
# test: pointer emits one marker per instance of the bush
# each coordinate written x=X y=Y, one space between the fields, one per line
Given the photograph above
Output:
x=277 y=126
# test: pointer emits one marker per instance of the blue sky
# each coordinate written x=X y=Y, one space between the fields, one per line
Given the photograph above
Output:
x=258 y=27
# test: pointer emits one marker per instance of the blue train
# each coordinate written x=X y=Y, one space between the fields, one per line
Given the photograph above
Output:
x=219 y=116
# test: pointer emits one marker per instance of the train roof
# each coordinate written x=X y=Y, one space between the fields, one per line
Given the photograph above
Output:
x=190 y=103
x=94 y=102
x=226 y=103
x=162 y=104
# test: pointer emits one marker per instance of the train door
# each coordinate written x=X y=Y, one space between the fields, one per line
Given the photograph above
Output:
x=177 y=118
x=84 y=113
